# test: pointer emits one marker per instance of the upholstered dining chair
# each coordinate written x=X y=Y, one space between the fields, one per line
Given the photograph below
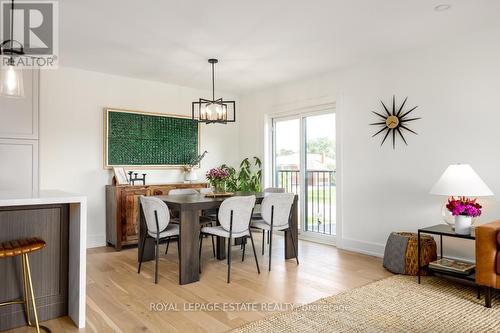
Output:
x=258 y=216
x=234 y=218
x=158 y=227
x=205 y=221
x=276 y=211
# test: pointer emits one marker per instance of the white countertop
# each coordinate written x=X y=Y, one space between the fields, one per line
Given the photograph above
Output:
x=42 y=197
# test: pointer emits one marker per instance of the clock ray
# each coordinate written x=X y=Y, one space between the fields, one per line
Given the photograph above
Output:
x=411 y=119
x=393 y=139
x=402 y=136
x=394 y=120
x=406 y=128
x=383 y=129
x=380 y=115
x=386 y=135
x=408 y=112
x=401 y=107
x=385 y=108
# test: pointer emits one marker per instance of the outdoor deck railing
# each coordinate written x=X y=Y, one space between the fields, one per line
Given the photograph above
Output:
x=320 y=190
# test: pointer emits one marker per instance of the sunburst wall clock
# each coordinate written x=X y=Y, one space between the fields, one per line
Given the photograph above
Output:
x=394 y=121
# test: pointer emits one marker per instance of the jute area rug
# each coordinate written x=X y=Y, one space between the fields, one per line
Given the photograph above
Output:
x=395 y=304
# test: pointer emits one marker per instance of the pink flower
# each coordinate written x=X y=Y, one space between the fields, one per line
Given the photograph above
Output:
x=464 y=206
x=217 y=174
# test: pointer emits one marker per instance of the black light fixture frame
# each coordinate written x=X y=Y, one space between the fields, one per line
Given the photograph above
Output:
x=228 y=105
x=7 y=47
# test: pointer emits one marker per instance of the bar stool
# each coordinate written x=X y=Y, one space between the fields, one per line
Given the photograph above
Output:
x=22 y=247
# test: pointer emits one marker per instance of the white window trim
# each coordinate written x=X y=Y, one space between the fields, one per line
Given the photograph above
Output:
x=268 y=162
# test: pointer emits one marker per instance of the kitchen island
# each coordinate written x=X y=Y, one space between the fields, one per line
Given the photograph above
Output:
x=59 y=269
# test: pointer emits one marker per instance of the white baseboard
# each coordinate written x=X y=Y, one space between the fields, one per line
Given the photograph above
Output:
x=370 y=248
x=96 y=241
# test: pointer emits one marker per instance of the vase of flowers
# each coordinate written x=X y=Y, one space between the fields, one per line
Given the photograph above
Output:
x=464 y=210
x=217 y=178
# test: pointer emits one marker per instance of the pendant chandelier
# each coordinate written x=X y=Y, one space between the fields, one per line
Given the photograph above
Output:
x=11 y=78
x=214 y=110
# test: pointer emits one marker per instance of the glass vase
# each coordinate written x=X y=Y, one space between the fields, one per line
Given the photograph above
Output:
x=220 y=187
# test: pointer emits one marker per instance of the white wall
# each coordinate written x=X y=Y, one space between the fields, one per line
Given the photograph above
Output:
x=71 y=133
x=456 y=85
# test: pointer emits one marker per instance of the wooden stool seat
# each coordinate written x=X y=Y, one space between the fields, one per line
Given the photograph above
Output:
x=20 y=247
x=23 y=247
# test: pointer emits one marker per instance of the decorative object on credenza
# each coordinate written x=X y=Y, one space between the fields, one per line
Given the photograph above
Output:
x=214 y=110
x=394 y=121
x=120 y=176
x=400 y=254
x=136 y=178
x=11 y=76
x=190 y=173
x=217 y=178
x=463 y=209
x=459 y=180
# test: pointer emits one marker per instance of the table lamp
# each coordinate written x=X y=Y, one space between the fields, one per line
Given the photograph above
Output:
x=459 y=180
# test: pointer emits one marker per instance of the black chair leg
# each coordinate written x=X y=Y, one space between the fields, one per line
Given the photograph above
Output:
x=243 y=253
x=270 y=237
x=157 y=257
x=199 y=253
x=142 y=254
x=254 y=253
x=263 y=240
x=213 y=246
x=229 y=260
x=294 y=249
x=168 y=243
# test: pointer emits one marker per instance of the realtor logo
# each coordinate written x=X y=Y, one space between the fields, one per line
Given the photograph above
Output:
x=35 y=27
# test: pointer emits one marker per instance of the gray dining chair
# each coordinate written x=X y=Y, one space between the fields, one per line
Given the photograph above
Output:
x=205 y=221
x=158 y=227
x=234 y=218
x=257 y=215
x=276 y=212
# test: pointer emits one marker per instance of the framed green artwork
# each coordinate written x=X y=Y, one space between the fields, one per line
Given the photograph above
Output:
x=135 y=138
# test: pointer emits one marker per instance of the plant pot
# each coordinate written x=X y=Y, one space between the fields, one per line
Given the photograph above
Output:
x=463 y=224
x=191 y=176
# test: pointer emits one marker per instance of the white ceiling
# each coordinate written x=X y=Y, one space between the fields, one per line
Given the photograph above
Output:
x=259 y=42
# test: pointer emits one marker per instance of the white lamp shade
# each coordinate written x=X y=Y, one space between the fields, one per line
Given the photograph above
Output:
x=11 y=82
x=461 y=180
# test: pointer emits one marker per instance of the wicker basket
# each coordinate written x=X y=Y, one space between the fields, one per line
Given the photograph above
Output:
x=428 y=253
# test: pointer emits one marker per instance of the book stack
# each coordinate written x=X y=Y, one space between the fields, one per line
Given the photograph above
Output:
x=452 y=265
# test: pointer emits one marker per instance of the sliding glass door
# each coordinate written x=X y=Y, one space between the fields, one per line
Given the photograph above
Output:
x=305 y=163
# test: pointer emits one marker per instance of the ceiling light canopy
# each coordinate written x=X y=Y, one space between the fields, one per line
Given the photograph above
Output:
x=11 y=77
x=442 y=7
x=214 y=110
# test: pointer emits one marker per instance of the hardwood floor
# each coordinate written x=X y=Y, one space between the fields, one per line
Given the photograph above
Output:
x=120 y=300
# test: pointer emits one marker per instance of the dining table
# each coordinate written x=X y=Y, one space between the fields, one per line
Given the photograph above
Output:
x=190 y=207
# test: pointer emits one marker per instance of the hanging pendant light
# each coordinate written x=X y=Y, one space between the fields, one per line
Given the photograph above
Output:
x=214 y=110
x=11 y=77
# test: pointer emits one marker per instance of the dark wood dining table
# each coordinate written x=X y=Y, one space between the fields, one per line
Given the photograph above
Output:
x=189 y=207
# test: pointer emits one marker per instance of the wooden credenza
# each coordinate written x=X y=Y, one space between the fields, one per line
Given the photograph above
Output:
x=122 y=210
